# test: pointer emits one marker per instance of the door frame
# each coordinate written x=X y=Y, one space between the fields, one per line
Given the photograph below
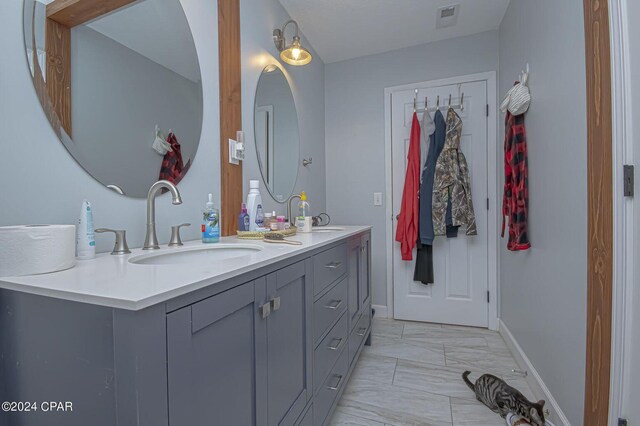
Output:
x=492 y=183
x=623 y=210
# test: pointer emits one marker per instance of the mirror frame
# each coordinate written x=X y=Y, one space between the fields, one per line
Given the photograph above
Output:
x=260 y=165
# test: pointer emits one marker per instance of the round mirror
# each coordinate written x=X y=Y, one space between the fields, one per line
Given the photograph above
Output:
x=275 y=124
x=120 y=83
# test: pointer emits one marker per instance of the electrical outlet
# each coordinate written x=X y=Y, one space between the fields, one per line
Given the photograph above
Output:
x=377 y=198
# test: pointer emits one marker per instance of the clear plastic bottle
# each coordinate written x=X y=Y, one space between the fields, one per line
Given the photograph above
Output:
x=210 y=223
x=303 y=221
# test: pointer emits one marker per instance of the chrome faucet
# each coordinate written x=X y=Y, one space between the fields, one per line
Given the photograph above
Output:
x=291 y=221
x=151 y=240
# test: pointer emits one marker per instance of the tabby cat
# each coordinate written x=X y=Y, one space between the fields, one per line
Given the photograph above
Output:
x=501 y=398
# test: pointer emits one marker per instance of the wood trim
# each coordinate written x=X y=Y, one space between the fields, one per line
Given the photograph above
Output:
x=71 y=13
x=230 y=110
x=58 y=48
x=600 y=212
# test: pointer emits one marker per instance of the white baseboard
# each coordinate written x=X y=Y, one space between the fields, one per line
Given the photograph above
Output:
x=381 y=311
x=534 y=380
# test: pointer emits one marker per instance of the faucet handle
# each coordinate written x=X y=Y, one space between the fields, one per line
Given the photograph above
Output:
x=120 y=246
x=175 y=235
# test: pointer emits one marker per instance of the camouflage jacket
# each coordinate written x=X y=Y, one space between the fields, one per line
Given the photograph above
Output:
x=452 y=184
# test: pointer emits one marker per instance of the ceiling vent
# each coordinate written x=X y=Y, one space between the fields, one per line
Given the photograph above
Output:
x=448 y=16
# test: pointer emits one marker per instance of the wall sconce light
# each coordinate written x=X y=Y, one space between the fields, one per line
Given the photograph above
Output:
x=294 y=54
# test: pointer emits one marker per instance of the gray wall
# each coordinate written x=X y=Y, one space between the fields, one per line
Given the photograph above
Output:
x=259 y=18
x=355 y=126
x=42 y=183
x=116 y=108
x=544 y=290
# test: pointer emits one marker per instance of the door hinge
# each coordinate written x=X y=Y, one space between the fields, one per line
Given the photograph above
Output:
x=488 y=296
x=487 y=110
x=622 y=422
x=629 y=180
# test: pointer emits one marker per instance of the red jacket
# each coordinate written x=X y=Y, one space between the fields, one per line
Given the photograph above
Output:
x=407 y=231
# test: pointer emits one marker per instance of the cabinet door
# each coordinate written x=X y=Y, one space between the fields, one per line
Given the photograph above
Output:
x=365 y=270
x=213 y=357
x=354 y=277
x=289 y=344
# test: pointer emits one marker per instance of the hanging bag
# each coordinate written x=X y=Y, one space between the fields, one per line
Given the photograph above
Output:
x=159 y=144
x=518 y=98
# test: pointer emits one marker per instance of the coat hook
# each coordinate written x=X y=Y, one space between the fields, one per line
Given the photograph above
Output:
x=426 y=104
x=438 y=102
x=449 y=100
x=415 y=98
x=462 y=102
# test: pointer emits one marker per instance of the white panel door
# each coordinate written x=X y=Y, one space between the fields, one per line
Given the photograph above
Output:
x=459 y=293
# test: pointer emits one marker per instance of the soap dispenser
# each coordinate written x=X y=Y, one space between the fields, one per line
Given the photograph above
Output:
x=210 y=223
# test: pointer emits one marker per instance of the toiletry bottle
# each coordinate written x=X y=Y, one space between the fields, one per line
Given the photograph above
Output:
x=243 y=219
x=268 y=220
x=85 y=237
x=280 y=223
x=254 y=205
x=210 y=223
x=303 y=221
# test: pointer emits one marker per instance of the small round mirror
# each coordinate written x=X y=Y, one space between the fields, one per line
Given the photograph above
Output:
x=276 y=133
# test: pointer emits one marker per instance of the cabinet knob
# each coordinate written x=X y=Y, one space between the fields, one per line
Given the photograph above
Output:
x=275 y=303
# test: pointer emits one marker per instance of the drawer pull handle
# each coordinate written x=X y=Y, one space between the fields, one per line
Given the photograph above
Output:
x=334 y=304
x=337 y=385
x=333 y=265
x=361 y=331
x=265 y=310
x=275 y=303
x=337 y=346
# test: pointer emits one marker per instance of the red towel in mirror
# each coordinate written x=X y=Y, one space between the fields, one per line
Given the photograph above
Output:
x=172 y=168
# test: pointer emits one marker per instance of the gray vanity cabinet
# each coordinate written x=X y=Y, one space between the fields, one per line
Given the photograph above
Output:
x=274 y=346
x=215 y=348
x=353 y=278
x=289 y=344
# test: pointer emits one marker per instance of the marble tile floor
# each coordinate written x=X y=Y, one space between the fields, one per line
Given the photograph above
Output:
x=411 y=375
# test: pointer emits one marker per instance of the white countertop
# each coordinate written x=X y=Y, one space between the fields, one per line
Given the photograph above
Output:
x=113 y=281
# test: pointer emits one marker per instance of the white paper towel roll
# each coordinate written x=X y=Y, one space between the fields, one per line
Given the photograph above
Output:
x=36 y=249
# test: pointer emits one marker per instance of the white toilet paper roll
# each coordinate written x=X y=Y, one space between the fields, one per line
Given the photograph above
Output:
x=36 y=249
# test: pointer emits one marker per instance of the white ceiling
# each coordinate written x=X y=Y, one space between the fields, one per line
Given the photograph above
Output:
x=156 y=29
x=346 y=29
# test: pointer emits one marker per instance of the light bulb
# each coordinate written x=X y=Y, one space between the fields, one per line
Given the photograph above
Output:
x=295 y=52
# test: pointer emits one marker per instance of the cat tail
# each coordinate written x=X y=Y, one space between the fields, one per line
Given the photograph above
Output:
x=465 y=377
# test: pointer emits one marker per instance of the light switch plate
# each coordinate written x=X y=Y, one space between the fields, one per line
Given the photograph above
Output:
x=377 y=198
x=232 y=152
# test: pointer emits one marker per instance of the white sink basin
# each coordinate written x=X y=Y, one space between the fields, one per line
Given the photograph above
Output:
x=200 y=254
x=327 y=229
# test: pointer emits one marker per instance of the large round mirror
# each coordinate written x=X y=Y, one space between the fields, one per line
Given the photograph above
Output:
x=120 y=83
x=276 y=133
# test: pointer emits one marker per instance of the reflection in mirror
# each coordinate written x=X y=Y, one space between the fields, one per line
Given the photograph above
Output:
x=120 y=85
x=276 y=133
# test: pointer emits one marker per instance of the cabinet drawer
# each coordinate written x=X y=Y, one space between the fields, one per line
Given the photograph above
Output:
x=359 y=333
x=328 y=308
x=329 y=350
x=307 y=418
x=328 y=266
x=330 y=388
